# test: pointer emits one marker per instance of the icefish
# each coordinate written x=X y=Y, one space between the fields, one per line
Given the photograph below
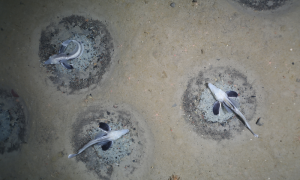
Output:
x=229 y=103
x=104 y=139
x=62 y=58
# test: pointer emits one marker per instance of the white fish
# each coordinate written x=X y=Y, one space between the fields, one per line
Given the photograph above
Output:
x=104 y=139
x=229 y=103
x=62 y=58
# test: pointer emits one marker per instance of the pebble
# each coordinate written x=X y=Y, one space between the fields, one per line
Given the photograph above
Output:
x=172 y=4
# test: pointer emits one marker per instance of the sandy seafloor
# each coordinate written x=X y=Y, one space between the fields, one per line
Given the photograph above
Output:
x=157 y=50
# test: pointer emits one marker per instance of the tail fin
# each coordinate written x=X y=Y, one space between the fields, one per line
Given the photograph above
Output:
x=64 y=46
x=255 y=135
x=71 y=155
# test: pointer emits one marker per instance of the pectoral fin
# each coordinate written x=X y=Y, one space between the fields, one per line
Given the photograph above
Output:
x=107 y=145
x=216 y=108
x=64 y=46
x=104 y=126
x=66 y=65
x=232 y=94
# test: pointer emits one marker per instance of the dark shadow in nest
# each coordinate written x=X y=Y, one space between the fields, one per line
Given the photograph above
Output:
x=259 y=5
x=95 y=32
x=13 y=122
x=191 y=99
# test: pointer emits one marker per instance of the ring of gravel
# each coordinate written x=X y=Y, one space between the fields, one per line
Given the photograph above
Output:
x=127 y=154
x=197 y=107
x=90 y=67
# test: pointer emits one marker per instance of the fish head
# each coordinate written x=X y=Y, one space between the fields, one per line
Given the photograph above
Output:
x=218 y=93
x=52 y=59
x=114 y=135
x=212 y=87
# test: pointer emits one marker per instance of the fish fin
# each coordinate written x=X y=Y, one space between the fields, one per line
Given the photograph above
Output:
x=71 y=155
x=232 y=94
x=255 y=135
x=107 y=145
x=100 y=134
x=227 y=108
x=221 y=110
x=104 y=126
x=64 y=46
x=216 y=108
x=66 y=65
x=234 y=102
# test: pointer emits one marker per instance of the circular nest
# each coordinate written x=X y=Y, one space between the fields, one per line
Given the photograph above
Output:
x=90 y=67
x=12 y=121
x=198 y=102
x=126 y=152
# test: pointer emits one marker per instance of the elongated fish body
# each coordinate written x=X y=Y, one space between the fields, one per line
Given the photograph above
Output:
x=104 y=139
x=225 y=99
x=62 y=58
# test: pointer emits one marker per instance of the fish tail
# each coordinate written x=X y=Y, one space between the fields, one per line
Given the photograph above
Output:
x=245 y=121
x=255 y=135
x=72 y=155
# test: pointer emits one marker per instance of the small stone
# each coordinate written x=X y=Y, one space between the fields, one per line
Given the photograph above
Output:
x=172 y=4
x=293 y=63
